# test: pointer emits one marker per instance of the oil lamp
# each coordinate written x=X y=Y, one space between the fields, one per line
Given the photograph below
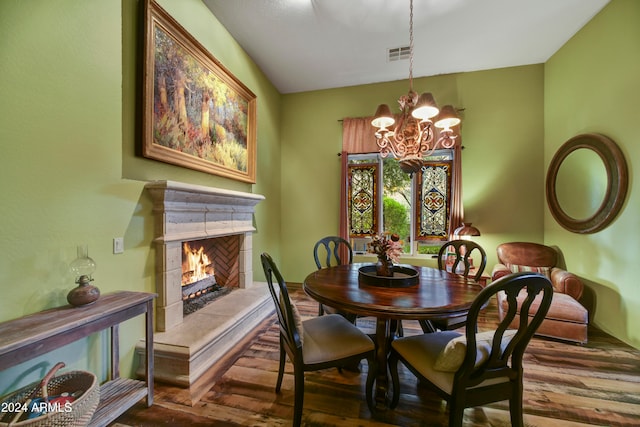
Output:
x=82 y=268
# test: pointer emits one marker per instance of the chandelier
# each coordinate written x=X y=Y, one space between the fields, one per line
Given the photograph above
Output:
x=414 y=136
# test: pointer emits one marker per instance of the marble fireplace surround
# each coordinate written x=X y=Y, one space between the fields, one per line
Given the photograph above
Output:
x=186 y=346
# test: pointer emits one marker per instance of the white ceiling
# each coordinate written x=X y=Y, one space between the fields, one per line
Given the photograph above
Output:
x=304 y=45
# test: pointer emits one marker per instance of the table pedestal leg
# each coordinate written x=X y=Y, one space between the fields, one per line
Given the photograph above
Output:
x=383 y=339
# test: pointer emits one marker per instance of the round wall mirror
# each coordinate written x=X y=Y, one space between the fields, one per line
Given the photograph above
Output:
x=581 y=184
x=587 y=183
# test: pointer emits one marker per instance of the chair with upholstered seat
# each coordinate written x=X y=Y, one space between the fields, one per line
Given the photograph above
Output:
x=328 y=250
x=322 y=342
x=456 y=256
x=473 y=369
x=568 y=318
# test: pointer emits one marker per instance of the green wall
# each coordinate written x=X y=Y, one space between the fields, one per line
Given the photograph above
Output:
x=68 y=127
x=592 y=85
x=502 y=161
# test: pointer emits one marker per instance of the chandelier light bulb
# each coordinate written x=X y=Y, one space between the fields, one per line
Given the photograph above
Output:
x=383 y=118
x=426 y=107
x=447 y=118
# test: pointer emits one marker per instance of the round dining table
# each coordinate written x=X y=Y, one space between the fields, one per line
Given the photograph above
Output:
x=437 y=294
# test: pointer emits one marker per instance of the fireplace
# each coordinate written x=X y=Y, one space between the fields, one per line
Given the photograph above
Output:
x=187 y=218
x=185 y=213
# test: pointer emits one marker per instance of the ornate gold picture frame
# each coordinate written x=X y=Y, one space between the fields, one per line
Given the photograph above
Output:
x=196 y=113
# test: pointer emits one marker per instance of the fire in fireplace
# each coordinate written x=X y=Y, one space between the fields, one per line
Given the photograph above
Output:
x=195 y=264
x=199 y=284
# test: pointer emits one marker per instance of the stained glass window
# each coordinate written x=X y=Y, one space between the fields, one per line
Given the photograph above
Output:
x=433 y=201
x=384 y=199
x=363 y=192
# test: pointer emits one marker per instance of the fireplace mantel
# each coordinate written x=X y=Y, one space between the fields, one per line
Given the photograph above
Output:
x=188 y=212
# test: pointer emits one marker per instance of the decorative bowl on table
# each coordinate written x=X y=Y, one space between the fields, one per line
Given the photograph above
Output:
x=403 y=276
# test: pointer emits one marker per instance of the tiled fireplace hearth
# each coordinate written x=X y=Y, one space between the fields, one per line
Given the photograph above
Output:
x=186 y=346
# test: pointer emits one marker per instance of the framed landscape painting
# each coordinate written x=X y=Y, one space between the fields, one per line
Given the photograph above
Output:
x=196 y=113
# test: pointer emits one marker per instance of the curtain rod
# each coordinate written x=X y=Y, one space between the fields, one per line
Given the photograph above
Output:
x=461 y=147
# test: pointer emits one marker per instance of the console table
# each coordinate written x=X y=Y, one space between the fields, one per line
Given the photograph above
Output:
x=42 y=332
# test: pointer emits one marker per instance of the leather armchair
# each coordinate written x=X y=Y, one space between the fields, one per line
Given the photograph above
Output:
x=567 y=318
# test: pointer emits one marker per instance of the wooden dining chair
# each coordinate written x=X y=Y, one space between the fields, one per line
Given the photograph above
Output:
x=322 y=342
x=457 y=256
x=327 y=253
x=462 y=251
x=473 y=369
x=328 y=248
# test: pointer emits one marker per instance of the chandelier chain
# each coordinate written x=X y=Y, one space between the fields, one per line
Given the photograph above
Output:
x=410 y=45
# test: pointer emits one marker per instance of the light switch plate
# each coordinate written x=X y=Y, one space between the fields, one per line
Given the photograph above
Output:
x=118 y=245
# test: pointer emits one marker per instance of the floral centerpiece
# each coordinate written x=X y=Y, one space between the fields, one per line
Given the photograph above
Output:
x=388 y=249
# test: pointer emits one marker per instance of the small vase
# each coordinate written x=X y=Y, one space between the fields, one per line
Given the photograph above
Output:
x=384 y=267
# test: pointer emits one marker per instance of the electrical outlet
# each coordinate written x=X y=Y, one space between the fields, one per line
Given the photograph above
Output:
x=118 y=245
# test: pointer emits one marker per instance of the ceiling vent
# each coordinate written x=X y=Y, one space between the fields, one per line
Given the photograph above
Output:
x=398 y=53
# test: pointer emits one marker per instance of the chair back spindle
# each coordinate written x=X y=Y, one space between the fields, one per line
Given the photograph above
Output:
x=331 y=246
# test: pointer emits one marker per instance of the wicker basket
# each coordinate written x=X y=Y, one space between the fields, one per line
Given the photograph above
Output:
x=77 y=413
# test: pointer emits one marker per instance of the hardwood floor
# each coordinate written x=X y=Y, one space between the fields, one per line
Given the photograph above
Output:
x=565 y=385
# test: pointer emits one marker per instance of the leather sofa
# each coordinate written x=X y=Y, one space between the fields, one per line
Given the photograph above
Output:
x=567 y=318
